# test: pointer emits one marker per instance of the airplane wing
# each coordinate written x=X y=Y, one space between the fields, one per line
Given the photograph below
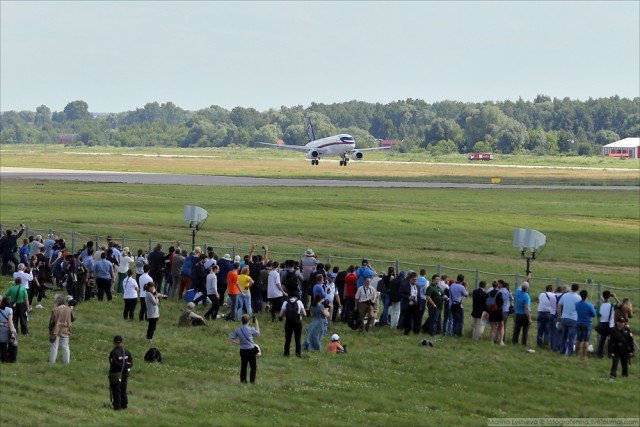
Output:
x=371 y=149
x=300 y=148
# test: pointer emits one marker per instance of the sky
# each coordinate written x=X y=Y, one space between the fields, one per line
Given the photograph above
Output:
x=118 y=56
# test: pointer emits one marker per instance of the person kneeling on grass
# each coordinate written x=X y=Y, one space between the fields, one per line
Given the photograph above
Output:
x=189 y=318
x=335 y=346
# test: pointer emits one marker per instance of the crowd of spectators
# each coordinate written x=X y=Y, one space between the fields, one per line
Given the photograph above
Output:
x=409 y=302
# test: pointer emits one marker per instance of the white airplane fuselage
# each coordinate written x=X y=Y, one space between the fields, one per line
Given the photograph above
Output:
x=331 y=146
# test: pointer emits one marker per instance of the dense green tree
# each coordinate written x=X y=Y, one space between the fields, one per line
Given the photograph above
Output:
x=604 y=137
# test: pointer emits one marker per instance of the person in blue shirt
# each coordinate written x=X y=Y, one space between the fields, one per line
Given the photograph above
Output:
x=523 y=313
x=568 y=317
x=366 y=271
x=586 y=312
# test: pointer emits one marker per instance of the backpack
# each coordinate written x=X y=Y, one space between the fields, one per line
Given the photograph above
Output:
x=354 y=322
x=291 y=282
x=292 y=312
x=153 y=355
x=492 y=302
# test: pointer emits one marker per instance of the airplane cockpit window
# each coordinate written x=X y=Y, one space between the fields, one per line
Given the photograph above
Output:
x=347 y=139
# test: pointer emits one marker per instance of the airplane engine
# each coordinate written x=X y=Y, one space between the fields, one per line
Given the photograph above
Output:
x=357 y=155
x=313 y=154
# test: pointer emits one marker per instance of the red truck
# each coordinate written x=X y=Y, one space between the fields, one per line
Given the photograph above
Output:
x=480 y=156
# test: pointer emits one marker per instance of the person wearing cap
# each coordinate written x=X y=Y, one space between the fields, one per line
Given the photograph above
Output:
x=363 y=272
x=60 y=329
x=621 y=347
x=335 y=346
x=120 y=364
x=189 y=318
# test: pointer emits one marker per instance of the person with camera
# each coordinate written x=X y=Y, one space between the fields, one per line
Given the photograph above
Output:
x=8 y=245
x=8 y=333
x=120 y=364
x=60 y=328
x=152 y=300
x=366 y=297
x=123 y=268
x=20 y=301
x=243 y=336
x=410 y=304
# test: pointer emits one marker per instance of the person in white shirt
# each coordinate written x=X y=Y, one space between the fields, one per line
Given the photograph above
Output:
x=212 y=292
x=144 y=279
x=125 y=259
x=26 y=277
x=546 y=316
x=293 y=324
x=130 y=290
x=275 y=291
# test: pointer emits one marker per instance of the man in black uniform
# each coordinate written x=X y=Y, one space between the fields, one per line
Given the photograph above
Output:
x=620 y=347
x=120 y=362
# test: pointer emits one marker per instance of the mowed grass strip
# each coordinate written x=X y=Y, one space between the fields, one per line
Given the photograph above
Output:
x=384 y=379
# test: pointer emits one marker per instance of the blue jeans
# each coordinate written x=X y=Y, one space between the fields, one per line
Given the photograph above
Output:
x=432 y=320
x=233 y=306
x=556 y=336
x=447 y=323
x=458 y=321
x=384 y=319
x=568 y=336
x=544 y=329
x=244 y=301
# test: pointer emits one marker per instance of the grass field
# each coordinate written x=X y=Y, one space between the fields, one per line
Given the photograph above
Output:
x=385 y=379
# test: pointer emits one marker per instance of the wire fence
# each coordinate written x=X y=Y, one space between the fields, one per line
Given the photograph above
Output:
x=75 y=242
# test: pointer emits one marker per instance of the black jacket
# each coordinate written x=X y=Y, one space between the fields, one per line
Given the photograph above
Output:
x=620 y=341
x=116 y=359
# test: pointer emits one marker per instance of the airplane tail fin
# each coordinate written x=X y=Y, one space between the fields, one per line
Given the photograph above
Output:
x=310 y=133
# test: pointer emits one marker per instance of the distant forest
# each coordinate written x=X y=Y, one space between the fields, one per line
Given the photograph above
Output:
x=543 y=126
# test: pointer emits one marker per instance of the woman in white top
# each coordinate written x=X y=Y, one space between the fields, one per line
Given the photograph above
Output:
x=125 y=260
x=130 y=295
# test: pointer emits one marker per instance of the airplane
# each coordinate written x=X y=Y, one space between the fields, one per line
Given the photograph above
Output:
x=342 y=145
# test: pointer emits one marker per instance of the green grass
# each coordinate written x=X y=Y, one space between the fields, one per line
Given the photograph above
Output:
x=385 y=379
x=591 y=234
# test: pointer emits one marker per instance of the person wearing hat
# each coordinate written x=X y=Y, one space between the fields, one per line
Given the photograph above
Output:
x=189 y=318
x=120 y=363
x=335 y=346
x=621 y=347
x=308 y=266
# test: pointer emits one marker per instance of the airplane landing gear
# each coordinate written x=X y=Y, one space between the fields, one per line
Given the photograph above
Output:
x=315 y=161
x=344 y=161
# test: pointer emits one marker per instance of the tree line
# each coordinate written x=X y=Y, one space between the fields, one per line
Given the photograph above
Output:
x=543 y=126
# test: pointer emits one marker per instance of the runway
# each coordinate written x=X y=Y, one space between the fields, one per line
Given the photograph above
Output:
x=12 y=173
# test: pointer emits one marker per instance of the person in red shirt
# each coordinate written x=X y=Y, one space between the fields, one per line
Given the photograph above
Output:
x=232 y=290
x=350 y=293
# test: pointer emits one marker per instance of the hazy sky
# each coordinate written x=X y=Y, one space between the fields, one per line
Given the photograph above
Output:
x=117 y=56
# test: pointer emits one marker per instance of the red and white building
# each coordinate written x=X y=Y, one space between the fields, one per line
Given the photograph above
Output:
x=625 y=148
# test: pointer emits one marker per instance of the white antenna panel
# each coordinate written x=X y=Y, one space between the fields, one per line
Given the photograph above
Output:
x=194 y=214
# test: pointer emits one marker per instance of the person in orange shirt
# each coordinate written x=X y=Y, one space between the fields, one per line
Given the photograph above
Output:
x=335 y=346
x=232 y=290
